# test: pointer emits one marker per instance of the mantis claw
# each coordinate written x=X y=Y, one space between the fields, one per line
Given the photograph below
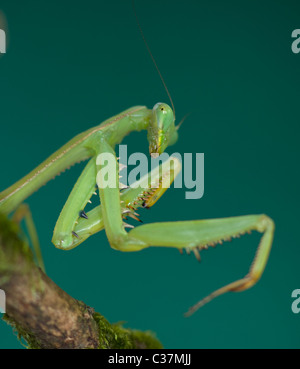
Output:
x=131 y=215
x=82 y=214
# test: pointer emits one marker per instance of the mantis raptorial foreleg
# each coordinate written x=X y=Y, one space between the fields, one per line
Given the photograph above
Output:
x=110 y=201
x=80 y=195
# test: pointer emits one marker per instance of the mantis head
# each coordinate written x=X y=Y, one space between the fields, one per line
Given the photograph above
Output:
x=162 y=131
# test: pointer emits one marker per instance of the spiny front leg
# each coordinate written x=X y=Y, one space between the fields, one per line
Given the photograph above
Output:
x=75 y=225
x=200 y=234
x=115 y=205
x=108 y=184
x=64 y=236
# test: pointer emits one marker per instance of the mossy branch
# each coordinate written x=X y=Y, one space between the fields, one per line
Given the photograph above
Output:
x=44 y=315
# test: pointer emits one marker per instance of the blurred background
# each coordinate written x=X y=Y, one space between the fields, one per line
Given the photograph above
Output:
x=71 y=65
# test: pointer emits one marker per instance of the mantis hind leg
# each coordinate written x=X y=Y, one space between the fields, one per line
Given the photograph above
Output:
x=200 y=234
x=23 y=212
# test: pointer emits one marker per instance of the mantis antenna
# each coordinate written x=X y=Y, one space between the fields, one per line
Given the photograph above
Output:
x=152 y=57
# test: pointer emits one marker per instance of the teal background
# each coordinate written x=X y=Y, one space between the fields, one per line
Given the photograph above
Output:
x=71 y=64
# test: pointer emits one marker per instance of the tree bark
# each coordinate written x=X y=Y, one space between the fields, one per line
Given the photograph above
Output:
x=44 y=315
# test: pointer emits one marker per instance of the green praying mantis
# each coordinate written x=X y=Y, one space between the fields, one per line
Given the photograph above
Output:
x=75 y=225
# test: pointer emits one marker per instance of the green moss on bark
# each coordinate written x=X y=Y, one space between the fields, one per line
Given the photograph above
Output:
x=115 y=336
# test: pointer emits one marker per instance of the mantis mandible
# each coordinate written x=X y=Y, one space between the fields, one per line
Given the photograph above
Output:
x=74 y=225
